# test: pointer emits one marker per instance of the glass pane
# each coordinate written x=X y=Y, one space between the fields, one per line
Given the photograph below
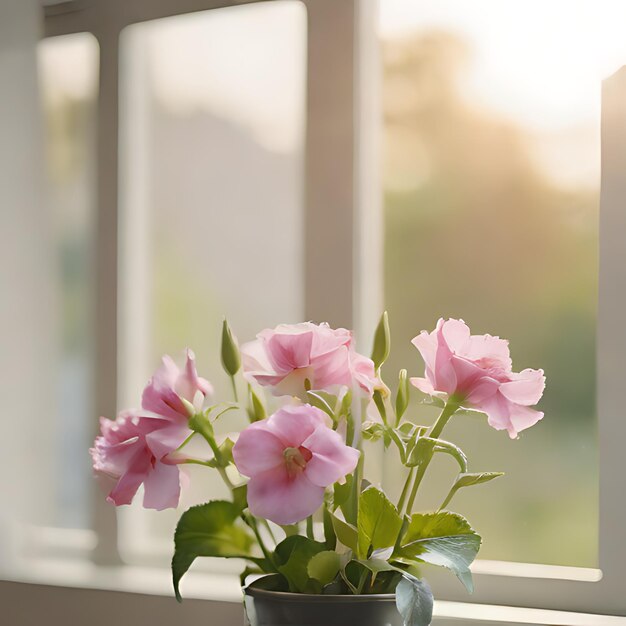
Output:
x=211 y=171
x=68 y=73
x=491 y=174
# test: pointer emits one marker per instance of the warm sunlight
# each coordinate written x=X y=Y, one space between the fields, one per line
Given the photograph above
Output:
x=539 y=62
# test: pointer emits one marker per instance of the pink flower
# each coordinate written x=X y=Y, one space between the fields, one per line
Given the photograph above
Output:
x=169 y=386
x=133 y=450
x=291 y=457
x=138 y=446
x=287 y=356
x=477 y=370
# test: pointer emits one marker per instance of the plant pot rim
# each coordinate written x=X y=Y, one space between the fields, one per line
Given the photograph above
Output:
x=288 y=596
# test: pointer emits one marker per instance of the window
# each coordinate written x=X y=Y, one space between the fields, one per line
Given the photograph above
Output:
x=211 y=145
x=492 y=189
x=68 y=71
x=331 y=152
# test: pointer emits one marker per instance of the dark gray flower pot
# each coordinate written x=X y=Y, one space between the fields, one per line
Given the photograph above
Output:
x=277 y=608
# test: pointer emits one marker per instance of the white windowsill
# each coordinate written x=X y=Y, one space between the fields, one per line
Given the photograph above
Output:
x=225 y=588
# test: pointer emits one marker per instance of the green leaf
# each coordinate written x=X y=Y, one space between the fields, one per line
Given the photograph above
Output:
x=402 y=395
x=342 y=494
x=414 y=600
x=409 y=430
x=382 y=341
x=330 y=537
x=434 y=401
x=292 y=559
x=324 y=566
x=468 y=480
x=230 y=407
x=316 y=399
x=443 y=538
x=231 y=359
x=378 y=522
x=226 y=454
x=346 y=533
x=372 y=431
x=425 y=445
x=240 y=497
x=211 y=529
x=346 y=403
x=376 y=566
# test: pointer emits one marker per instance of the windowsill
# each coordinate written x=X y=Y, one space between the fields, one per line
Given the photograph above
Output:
x=81 y=574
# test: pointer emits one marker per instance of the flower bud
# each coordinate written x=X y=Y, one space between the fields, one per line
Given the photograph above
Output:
x=402 y=396
x=231 y=359
x=380 y=351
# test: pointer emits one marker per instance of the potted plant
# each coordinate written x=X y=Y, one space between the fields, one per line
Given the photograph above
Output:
x=323 y=545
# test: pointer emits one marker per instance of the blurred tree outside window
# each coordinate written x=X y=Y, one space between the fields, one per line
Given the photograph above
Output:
x=491 y=215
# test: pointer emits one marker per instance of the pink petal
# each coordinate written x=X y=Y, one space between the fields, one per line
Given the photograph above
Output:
x=160 y=396
x=274 y=496
x=289 y=351
x=456 y=334
x=253 y=357
x=426 y=343
x=332 y=459
x=522 y=418
x=488 y=350
x=524 y=388
x=424 y=385
x=333 y=368
x=113 y=458
x=364 y=372
x=126 y=488
x=293 y=424
x=290 y=384
x=162 y=487
x=327 y=339
x=498 y=410
x=162 y=441
x=269 y=380
x=467 y=374
x=444 y=374
x=188 y=383
x=482 y=389
x=258 y=449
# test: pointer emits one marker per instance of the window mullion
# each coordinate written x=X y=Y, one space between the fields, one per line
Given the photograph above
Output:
x=611 y=333
x=106 y=284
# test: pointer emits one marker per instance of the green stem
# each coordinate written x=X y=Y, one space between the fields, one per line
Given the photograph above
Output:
x=405 y=489
x=197 y=462
x=309 y=528
x=349 y=428
x=251 y=522
x=353 y=509
x=380 y=405
x=184 y=443
x=266 y=524
x=448 y=411
x=206 y=432
x=234 y=384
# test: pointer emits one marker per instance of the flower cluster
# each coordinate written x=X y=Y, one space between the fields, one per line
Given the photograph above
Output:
x=139 y=446
x=303 y=459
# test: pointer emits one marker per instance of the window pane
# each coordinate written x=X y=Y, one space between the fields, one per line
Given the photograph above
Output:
x=211 y=190
x=491 y=175
x=68 y=72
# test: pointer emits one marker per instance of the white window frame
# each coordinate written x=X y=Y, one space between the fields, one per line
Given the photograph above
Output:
x=343 y=264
